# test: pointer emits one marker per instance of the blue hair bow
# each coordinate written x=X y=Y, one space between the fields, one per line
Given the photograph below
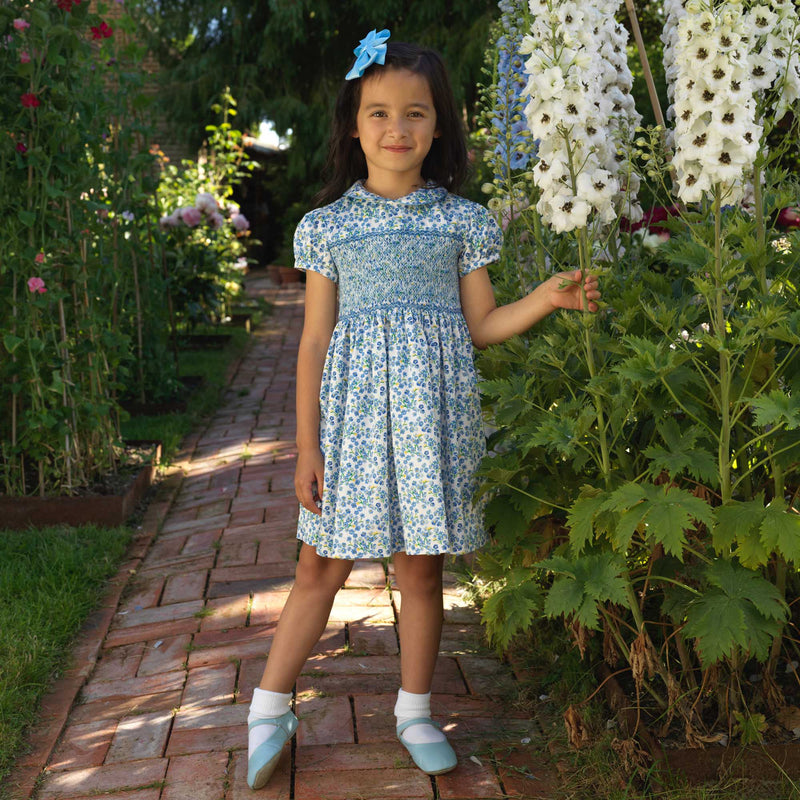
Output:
x=371 y=50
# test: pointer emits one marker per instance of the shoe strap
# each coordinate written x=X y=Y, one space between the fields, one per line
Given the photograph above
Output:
x=287 y=721
x=417 y=721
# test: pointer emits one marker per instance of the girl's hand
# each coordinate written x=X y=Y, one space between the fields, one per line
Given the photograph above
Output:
x=565 y=290
x=308 y=479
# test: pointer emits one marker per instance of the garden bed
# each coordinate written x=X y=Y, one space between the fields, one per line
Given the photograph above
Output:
x=108 y=502
x=190 y=384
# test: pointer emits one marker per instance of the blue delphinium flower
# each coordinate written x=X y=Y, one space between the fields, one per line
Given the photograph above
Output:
x=514 y=147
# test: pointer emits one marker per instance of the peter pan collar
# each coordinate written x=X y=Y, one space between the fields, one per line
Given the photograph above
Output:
x=431 y=192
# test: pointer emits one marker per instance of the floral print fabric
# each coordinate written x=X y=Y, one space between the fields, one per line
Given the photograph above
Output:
x=400 y=423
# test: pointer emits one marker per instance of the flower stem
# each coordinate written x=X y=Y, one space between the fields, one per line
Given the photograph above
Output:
x=761 y=232
x=585 y=264
x=724 y=450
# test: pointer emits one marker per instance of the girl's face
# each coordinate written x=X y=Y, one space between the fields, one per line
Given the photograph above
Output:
x=396 y=124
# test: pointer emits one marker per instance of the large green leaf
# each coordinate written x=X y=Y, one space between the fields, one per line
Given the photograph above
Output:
x=740 y=609
x=780 y=530
x=777 y=408
x=666 y=512
x=681 y=453
x=734 y=520
x=582 y=584
x=581 y=517
x=509 y=611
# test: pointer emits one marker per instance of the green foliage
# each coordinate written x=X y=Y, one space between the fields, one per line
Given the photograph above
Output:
x=739 y=609
x=583 y=585
x=204 y=261
x=76 y=279
x=285 y=60
x=656 y=445
x=89 y=286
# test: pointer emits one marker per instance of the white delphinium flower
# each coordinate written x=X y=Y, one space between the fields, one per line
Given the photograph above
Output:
x=716 y=135
x=774 y=59
x=581 y=110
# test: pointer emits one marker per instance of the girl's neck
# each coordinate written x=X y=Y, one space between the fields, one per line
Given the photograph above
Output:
x=392 y=188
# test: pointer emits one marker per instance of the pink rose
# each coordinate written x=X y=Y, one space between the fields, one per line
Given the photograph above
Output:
x=21 y=24
x=24 y=57
x=36 y=285
x=206 y=203
x=39 y=258
x=168 y=221
x=190 y=216
x=240 y=222
x=216 y=220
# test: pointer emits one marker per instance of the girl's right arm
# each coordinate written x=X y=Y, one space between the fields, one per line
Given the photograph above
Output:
x=320 y=319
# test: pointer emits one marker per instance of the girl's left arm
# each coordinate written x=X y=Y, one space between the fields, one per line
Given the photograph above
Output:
x=489 y=324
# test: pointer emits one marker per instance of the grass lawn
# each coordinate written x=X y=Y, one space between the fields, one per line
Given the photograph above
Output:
x=50 y=580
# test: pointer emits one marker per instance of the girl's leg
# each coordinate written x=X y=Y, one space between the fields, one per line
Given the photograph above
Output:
x=419 y=579
x=302 y=622
x=304 y=617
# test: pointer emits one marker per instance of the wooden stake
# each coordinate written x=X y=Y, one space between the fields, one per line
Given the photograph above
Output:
x=648 y=75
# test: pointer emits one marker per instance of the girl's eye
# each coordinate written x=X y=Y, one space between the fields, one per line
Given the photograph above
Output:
x=378 y=113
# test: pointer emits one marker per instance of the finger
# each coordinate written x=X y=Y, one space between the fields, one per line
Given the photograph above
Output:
x=305 y=494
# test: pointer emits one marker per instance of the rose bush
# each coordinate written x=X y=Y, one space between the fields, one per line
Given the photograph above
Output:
x=84 y=265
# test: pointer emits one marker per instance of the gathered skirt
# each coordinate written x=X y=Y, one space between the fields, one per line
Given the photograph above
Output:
x=402 y=437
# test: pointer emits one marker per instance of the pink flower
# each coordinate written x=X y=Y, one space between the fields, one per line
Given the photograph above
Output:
x=240 y=222
x=190 y=216
x=21 y=148
x=21 y=24
x=39 y=258
x=168 y=221
x=24 y=57
x=29 y=100
x=36 y=285
x=789 y=217
x=206 y=202
x=216 y=220
x=103 y=31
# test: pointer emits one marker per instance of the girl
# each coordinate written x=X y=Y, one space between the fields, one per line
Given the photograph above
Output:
x=389 y=430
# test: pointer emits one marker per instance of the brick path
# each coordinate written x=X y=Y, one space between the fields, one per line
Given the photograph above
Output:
x=162 y=714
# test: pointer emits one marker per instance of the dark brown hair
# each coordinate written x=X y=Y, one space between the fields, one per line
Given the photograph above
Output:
x=446 y=162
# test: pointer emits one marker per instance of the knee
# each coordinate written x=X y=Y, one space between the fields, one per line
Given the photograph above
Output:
x=421 y=580
x=319 y=575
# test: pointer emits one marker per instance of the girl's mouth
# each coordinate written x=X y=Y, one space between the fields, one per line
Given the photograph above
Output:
x=397 y=148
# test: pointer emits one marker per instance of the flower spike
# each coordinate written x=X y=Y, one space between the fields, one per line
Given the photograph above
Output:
x=371 y=50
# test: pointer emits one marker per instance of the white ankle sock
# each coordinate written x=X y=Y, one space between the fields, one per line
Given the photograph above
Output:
x=265 y=704
x=410 y=706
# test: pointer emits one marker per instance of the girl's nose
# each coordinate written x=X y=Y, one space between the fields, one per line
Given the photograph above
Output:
x=397 y=128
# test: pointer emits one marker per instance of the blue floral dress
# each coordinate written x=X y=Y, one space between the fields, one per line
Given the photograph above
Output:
x=400 y=422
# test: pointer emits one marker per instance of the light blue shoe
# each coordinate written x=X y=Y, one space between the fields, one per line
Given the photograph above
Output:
x=262 y=762
x=433 y=758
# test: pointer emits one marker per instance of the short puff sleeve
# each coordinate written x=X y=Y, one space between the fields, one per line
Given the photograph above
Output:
x=311 y=248
x=483 y=241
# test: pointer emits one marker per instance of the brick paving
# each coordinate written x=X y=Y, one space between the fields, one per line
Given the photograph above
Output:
x=162 y=716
